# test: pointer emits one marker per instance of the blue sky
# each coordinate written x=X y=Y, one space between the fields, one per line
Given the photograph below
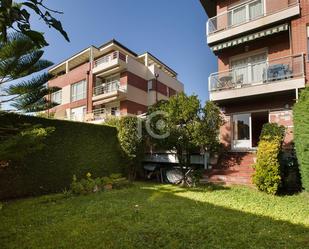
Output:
x=172 y=30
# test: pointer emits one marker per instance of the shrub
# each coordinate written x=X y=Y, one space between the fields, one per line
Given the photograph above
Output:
x=73 y=148
x=271 y=131
x=89 y=185
x=301 y=136
x=267 y=168
x=268 y=173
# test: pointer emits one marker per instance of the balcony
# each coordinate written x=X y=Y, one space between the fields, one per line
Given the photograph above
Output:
x=101 y=115
x=249 y=16
x=109 y=90
x=112 y=61
x=276 y=75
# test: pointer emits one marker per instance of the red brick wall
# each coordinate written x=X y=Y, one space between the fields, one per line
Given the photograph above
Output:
x=135 y=80
x=140 y=83
x=76 y=75
x=271 y=5
x=284 y=118
x=71 y=105
x=278 y=46
x=130 y=107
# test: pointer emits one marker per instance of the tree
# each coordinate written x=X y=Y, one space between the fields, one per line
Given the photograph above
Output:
x=21 y=54
x=16 y=16
x=207 y=128
x=19 y=58
x=180 y=124
x=131 y=142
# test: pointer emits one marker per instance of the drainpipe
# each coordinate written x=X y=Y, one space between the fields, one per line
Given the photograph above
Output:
x=157 y=76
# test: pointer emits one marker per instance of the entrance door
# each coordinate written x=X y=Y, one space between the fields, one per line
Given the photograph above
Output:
x=242 y=131
x=258 y=119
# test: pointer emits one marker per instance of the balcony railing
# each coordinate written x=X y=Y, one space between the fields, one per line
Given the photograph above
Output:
x=102 y=114
x=249 y=11
x=110 y=57
x=285 y=68
x=107 y=88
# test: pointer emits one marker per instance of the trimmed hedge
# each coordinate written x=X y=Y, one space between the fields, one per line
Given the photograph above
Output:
x=301 y=133
x=267 y=168
x=72 y=149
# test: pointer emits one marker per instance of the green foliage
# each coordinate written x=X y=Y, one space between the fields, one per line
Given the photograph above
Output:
x=19 y=58
x=267 y=168
x=188 y=126
x=206 y=132
x=90 y=185
x=132 y=143
x=16 y=16
x=301 y=133
x=73 y=148
x=28 y=141
x=271 y=130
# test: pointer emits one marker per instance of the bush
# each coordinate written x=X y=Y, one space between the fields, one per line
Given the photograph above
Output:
x=268 y=172
x=267 y=168
x=89 y=185
x=301 y=136
x=271 y=131
x=73 y=148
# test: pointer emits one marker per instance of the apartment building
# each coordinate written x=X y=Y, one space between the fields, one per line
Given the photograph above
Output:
x=110 y=80
x=261 y=46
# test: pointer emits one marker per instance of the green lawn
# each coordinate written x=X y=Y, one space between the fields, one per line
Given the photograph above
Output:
x=166 y=217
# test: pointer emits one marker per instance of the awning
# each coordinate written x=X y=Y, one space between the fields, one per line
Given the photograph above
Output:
x=251 y=37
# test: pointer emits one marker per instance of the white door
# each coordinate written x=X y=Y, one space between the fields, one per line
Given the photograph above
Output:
x=241 y=131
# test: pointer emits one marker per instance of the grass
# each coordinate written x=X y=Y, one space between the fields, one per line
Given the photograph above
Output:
x=158 y=216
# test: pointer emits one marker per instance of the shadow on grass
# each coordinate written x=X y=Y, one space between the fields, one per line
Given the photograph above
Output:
x=145 y=216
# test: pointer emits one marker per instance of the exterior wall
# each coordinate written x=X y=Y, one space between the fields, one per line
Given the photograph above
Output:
x=75 y=75
x=271 y=5
x=165 y=78
x=134 y=76
x=65 y=81
x=278 y=106
x=277 y=46
x=130 y=107
x=285 y=118
x=299 y=33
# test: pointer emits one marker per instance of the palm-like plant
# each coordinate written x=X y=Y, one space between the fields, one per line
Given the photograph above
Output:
x=21 y=57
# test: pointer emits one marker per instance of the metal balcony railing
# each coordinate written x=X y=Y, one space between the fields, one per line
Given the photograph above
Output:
x=110 y=57
x=108 y=87
x=102 y=114
x=285 y=68
x=246 y=12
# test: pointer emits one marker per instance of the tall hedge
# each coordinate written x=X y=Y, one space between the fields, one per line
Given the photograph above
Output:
x=301 y=133
x=73 y=148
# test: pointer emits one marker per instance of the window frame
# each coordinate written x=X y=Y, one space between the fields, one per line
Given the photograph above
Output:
x=75 y=96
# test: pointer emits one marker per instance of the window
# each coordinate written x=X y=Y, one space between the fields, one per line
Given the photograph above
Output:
x=250 y=69
x=114 y=111
x=150 y=87
x=78 y=91
x=246 y=12
x=56 y=97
